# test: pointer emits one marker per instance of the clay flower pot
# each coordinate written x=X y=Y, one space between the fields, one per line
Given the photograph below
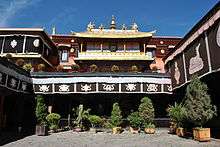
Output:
x=134 y=130
x=180 y=132
x=201 y=134
x=116 y=130
x=149 y=130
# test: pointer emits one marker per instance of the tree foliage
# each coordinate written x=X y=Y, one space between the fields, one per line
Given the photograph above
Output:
x=116 y=117
x=146 y=110
x=41 y=110
x=198 y=103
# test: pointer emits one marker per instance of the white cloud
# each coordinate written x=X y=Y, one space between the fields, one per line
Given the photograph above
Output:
x=9 y=8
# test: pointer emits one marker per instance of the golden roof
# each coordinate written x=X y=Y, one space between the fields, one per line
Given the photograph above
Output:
x=112 y=33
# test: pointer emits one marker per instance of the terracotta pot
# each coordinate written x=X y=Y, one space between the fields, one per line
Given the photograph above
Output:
x=201 y=134
x=77 y=129
x=134 y=130
x=173 y=127
x=41 y=130
x=92 y=130
x=180 y=132
x=116 y=130
x=149 y=130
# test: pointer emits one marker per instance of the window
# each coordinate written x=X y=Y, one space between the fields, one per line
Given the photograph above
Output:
x=64 y=56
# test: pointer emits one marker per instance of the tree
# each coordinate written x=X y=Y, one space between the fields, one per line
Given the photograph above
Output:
x=116 y=117
x=146 y=110
x=41 y=110
x=198 y=103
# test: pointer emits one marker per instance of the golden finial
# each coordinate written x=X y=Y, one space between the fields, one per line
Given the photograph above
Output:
x=113 y=24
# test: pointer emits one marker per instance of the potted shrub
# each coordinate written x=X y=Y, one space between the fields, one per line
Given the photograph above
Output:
x=53 y=119
x=27 y=67
x=116 y=119
x=149 y=128
x=80 y=124
x=19 y=62
x=177 y=114
x=41 y=67
x=146 y=112
x=115 y=68
x=95 y=121
x=75 y=67
x=93 y=68
x=135 y=122
x=134 y=68
x=41 y=113
x=59 y=68
x=199 y=108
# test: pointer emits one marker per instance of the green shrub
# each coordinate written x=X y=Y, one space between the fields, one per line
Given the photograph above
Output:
x=135 y=120
x=146 y=110
x=116 y=117
x=53 y=120
x=177 y=114
x=82 y=116
x=95 y=120
x=149 y=125
x=41 y=110
x=198 y=103
x=27 y=67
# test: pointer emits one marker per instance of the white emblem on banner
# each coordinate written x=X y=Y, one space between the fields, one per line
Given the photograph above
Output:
x=108 y=87
x=44 y=88
x=64 y=88
x=196 y=63
x=218 y=36
x=177 y=73
x=13 y=83
x=130 y=87
x=86 y=87
x=13 y=43
x=152 y=87
x=36 y=43
x=23 y=86
x=169 y=87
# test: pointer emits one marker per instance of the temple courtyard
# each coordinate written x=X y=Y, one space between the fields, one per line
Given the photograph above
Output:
x=104 y=139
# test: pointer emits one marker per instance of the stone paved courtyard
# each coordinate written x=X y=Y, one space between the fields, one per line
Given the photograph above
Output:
x=86 y=139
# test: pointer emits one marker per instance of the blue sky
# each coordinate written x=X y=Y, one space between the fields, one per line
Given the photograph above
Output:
x=168 y=17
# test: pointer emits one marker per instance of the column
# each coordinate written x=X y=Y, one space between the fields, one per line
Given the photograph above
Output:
x=101 y=47
x=81 y=47
x=144 y=48
x=124 y=47
x=50 y=105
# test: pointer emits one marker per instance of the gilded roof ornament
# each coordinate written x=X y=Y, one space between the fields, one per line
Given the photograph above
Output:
x=113 y=24
x=90 y=26
x=124 y=27
x=134 y=26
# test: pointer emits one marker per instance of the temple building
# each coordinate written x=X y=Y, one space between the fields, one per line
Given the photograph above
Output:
x=103 y=65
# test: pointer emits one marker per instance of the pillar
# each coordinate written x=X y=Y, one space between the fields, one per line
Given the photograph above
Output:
x=124 y=47
x=144 y=48
x=101 y=47
x=81 y=47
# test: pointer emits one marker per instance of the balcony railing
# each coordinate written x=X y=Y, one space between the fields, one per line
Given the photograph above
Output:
x=114 y=56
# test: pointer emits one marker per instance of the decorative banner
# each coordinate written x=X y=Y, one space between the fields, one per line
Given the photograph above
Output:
x=130 y=87
x=151 y=87
x=43 y=88
x=86 y=87
x=2 y=78
x=108 y=87
x=12 y=82
x=196 y=58
x=63 y=87
x=13 y=44
x=214 y=45
x=177 y=71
